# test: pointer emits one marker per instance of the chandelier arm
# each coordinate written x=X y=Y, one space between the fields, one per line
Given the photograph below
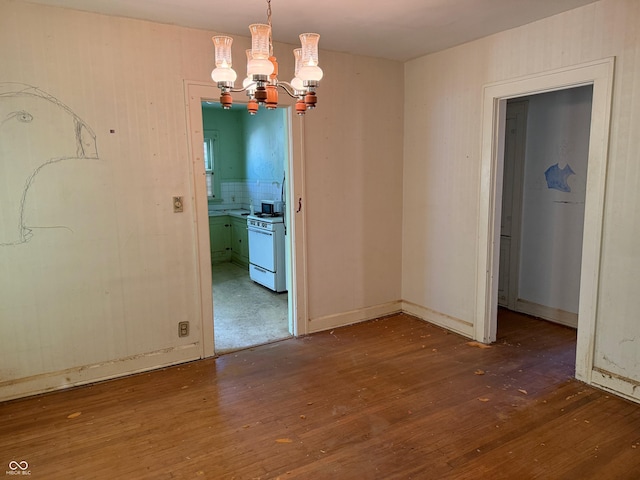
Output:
x=286 y=86
x=243 y=89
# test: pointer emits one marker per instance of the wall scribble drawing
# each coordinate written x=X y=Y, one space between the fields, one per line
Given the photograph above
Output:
x=36 y=131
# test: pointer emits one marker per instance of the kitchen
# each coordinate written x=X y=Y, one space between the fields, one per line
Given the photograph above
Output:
x=245 y=162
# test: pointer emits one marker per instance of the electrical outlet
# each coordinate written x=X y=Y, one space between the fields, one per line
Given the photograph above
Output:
x=177 y=205
x=183 y=329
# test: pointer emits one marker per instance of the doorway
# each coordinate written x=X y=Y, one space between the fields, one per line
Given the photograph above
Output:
x=543 y=203
x=246 y=165
x=599 y=74
x=195 y=93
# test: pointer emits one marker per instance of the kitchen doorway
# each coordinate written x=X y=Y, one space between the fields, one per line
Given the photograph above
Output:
x=245 y=159
x=292 y=191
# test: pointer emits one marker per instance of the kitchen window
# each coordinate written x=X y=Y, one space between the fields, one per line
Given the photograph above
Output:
x=211 y=162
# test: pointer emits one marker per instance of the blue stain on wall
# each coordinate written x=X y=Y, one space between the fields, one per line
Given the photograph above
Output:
x=557 y=177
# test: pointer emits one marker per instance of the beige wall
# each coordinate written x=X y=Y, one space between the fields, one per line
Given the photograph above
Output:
x=100 y=294
x=443 y=110
x=354 y=175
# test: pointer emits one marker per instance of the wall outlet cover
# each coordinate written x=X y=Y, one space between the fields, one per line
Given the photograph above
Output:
x=183 y=329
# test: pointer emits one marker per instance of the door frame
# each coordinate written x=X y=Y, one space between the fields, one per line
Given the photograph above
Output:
x=599 y=74
x=195 y=93
x=516 y=204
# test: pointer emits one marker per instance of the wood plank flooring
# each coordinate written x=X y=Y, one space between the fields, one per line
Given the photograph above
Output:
x=395 y=398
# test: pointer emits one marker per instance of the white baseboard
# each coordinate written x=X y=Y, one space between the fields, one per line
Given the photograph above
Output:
x=616 y=384
x=48 y=382
x=401 y=306
x=548 y=313
x=442 y=320
x=347 y=318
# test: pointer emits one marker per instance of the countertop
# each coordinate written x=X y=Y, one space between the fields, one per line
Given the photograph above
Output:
x=237 y=212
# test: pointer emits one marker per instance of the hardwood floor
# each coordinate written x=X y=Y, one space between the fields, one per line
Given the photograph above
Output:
x=395 y=398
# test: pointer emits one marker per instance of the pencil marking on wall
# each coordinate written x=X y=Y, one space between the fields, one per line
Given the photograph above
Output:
x=557 y=177
x=36 y=131
x=21 y=116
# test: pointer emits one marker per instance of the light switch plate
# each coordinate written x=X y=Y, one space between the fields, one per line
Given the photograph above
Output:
x=177 y=205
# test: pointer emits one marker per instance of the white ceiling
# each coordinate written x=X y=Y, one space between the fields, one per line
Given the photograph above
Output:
x=397 y=29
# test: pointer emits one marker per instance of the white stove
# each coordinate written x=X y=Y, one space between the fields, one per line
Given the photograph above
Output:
x=266 y=251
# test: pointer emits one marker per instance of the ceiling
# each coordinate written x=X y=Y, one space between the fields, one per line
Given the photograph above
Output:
x=398 y=29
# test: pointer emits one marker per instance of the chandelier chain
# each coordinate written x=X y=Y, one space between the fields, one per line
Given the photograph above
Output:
x=270 y=29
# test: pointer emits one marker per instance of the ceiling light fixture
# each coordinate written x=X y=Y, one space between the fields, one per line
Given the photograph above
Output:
x=262 y=81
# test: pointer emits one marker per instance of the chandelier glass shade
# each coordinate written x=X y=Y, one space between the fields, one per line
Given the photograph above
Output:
x=261 y=83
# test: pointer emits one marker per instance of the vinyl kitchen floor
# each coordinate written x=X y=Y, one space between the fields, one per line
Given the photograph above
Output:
x=245 y=313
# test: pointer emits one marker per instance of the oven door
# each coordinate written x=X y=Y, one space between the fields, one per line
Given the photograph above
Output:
x=262 y=249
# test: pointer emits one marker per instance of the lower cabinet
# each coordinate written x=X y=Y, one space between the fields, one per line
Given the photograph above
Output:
x=220 y=238
x=239 y=241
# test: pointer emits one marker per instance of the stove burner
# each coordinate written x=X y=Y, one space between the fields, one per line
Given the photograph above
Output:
x=260 y=219
x=268 y=215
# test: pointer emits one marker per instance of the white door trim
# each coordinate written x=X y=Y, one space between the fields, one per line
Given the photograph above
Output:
x=600 y=75
x=195 y=92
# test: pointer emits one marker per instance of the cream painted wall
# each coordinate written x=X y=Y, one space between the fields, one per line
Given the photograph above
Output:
x=110 y=271
x=443 y=104
x=354 y=176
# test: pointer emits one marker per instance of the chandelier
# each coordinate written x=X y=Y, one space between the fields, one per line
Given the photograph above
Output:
x=261 y=83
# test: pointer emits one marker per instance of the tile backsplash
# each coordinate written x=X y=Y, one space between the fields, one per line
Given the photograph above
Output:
x=241 y=194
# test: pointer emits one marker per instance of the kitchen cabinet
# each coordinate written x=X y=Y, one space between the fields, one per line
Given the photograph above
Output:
x=239 y=241
x=220 y=238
